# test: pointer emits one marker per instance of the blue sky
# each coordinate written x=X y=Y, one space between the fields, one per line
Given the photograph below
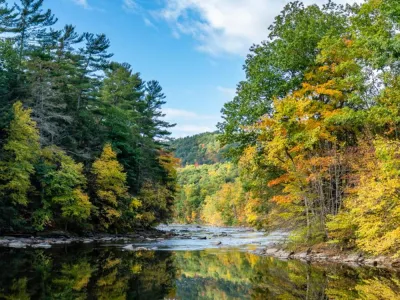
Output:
x=194 y=48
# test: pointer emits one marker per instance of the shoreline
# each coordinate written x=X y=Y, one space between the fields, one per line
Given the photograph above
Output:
x=315 y=254
x=329 y=255
x=49 y=239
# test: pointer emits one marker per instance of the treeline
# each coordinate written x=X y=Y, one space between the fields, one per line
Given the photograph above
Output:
x=210 y=194
x=316 y=124
x=201 y=149
x=82 y=142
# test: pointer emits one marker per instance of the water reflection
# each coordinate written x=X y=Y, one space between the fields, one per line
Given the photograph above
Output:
x=109 y=273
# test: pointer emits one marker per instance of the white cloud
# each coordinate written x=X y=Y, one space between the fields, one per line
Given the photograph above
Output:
x=184 y=130
x=229 y=92
x=189 y=122
x=82 y=3
x=130 y=5
x=225 y=26
x=173 y=113
x=148 y=23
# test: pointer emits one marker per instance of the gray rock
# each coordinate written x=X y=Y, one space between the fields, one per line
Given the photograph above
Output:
x=17 y=244
x=4 y=242
x=41 y=246
x=300 y=255
x=271 y=251
x=396 y=263
x=352 y=258
x=141 y=249
x=128 y=247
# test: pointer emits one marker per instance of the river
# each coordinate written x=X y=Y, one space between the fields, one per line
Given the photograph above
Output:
x=202 y=263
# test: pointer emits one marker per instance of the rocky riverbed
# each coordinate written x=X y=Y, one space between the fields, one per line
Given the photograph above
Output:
x=53 y=239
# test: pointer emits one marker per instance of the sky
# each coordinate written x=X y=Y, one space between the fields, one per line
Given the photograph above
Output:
x=194 y=48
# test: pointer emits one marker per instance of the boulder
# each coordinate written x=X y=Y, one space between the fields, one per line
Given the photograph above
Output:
x=128 y=247
x=41 y=246
x=300 y=255
x=396 y=263
x=141 y=249
x=271 y=251
x=17 y=244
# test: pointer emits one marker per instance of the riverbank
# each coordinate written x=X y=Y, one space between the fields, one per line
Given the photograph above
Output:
x=47 y=240
x=326 y=254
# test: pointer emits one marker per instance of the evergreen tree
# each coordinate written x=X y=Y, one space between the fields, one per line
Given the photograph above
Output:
x=31 y=24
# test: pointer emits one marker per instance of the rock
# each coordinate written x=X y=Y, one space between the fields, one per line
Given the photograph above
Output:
x=271 y=251
x=41 y=246
x=202 y=237
x=128 y=247
x=282 y=254
x=396 y=263
x=351 y=258
x=17 y=244
x=301 y=255
x=141 y=249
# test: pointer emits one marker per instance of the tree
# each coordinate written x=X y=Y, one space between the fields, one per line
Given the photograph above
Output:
x=62 y=185
x=31 y=23
x=276 y=67
x=21 y=152
x=110 y=187
x=7 y=17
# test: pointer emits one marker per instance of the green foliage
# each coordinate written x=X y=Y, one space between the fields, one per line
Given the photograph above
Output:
x=211 y=194
x=62 y=185
x=276 y=67
x=78 y=100
x=199 y=149
x=316 y=133
x=110 y=187
x=21 y=153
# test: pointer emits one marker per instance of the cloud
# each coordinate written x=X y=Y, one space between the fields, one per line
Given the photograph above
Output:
x=82 y=3
x=188 y=122
x=225 y=26
x=183 y=130
x=173 y=113
x=130 y=5
x=229 y=92
x=148 y=23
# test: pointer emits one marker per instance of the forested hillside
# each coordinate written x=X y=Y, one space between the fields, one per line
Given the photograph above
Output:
x=199 y=149
x=82 y=140
x=316 y=124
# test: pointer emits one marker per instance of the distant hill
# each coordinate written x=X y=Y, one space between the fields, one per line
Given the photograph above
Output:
x=202 y=149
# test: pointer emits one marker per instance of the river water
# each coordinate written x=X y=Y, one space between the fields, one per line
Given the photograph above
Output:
x=187 y=267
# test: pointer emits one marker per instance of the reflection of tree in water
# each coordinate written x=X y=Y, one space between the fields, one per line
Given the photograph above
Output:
x=274 y=279
x=237 y=275
x=106 y=273
x=85 y=274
